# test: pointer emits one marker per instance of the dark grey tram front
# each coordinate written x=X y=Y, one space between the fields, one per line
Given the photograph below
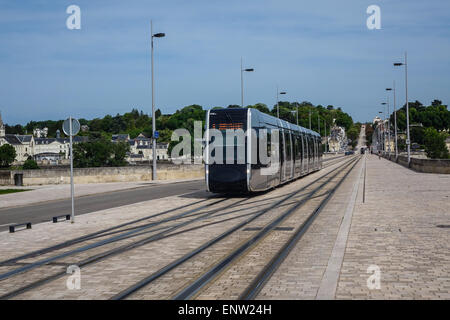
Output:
x=246 y=167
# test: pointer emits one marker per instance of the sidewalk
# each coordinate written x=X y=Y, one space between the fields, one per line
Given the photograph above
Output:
x=62 y=191
x=397 y=230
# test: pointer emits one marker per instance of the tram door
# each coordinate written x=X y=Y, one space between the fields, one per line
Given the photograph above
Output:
x=289 y=159
x=282 y=156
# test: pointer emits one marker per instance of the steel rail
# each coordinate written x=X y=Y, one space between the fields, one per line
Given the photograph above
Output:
x=206 y=278
x=265 y=274
x=107 y=231
x=94 y=245
x=89 y=236
x=127 y=292
x=104 y=255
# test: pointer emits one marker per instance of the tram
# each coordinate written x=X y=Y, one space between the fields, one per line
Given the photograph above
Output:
x=299 y=151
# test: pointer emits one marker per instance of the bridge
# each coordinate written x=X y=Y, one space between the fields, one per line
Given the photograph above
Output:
x=363 y=227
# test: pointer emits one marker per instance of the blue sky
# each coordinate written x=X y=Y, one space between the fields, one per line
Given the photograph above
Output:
x=319 y=51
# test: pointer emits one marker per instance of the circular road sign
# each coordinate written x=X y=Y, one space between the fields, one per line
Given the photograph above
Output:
x=75 y=127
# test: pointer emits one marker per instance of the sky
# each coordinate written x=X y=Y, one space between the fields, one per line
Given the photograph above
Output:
x=318 y=51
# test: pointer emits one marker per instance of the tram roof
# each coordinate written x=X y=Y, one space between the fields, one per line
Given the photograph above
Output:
x=284 y=123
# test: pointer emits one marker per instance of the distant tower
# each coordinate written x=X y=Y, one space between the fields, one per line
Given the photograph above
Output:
x=2 y=126
x=58 y=133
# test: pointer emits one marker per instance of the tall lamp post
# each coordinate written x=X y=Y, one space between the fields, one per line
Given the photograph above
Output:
x=278 y=105
x=379 y=131
x=156 y=35
x=384 y=127
x=395 y=125
x=397 y=64
x=242 y=82
x=389 y=122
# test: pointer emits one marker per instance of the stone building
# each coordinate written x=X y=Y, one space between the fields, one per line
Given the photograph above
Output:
x=337 y=141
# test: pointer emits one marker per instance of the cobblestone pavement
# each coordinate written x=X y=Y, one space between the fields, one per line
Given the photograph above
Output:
x=103 y=279
x=397 y=230
x=300 y=275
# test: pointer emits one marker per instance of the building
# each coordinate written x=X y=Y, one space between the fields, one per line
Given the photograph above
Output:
x=40 y=133
x=54 y=148
x=337 y=141
x=447 y=142
x=141 y=149
x=23 y=144
x=2 y=127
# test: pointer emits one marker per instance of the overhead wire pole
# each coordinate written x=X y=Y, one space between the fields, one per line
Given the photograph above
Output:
x=156 y=35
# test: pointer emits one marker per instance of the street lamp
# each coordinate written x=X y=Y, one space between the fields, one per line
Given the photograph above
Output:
x=398 y=64
x=379 y=131
x=384 y=127
x=278 y=105
x=389 y=123
x=242 y=82
x=156 y=35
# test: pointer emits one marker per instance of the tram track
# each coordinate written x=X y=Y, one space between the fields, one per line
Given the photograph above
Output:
x=125 y=231
x=188 y=292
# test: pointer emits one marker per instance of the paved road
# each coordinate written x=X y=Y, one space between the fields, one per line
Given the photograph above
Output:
x=45 y=211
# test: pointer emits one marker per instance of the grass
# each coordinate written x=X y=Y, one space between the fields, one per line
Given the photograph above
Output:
x=6 y=191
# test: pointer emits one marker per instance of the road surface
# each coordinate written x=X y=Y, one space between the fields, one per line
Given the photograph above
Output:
x=41 y=212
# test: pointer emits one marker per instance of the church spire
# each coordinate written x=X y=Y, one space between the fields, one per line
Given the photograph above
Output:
x=2 y=126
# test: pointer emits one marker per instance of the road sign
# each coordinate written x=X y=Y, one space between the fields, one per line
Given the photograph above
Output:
x=156 y=135
x=75 y=127
x=407 y=141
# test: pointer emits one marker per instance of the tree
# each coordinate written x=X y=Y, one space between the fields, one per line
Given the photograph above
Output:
x=353 y=133
x=7 y=155
x=100 y=153
x=30 y=164
x=435 y=146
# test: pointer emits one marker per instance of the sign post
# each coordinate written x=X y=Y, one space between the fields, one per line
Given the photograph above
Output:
x=71 y=127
